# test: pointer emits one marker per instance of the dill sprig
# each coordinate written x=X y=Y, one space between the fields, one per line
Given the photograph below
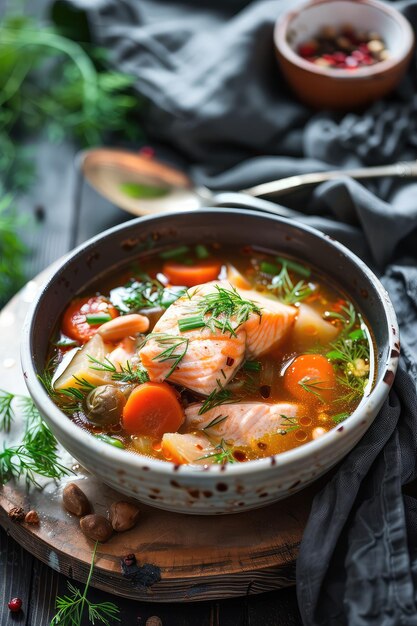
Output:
x=288 y=424
x=216 y=398
x=354 y=387
x=173 y=349
x=37 y=454
x=71 y=607
x=284 y=288
x=314 y=385
x=223 y=309
x=6 y=410
x=126 y=374
x=215 y=422
x=223 y=454
x=346 y=315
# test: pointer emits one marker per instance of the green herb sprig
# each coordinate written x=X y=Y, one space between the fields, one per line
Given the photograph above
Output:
x=37 y=455
x=283 y=286
x=222 y=454
x=71 y=608
x=145 y=293
x=288 y=424
x=173 y=349
x=216 y=398
x=127 y=373
x=223 y=309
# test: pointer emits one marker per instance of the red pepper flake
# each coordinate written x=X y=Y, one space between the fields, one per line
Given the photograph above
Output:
x=239 y=455
x=229 y=361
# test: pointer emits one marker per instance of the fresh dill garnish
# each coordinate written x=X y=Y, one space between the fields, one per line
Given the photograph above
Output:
x=145 y=293
x=346 y=315
x=216 y=398
x=351 y=352
x=126 y=373
x=285 y=289
x=36 y=455
x=223 y=454
x=288 y=424
x=354 y=387
x=215 y=422
x=314 y=385
x=222 y=309
x=6 y=410
x=173 y=349
x=71 y=607
x=68 y=399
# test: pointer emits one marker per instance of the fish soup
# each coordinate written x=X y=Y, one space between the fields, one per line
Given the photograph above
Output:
x=206 y=354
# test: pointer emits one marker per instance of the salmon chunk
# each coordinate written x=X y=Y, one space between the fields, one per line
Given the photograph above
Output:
x=188 y=448
x=206 y=358
x=243 y=424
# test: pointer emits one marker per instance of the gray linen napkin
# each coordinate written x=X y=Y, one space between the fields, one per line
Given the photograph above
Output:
x=218 y=99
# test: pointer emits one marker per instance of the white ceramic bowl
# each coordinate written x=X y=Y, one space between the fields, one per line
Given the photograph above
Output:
x=211 y=489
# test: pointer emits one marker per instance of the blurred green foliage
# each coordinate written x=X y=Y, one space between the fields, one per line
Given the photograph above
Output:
x=52 y=84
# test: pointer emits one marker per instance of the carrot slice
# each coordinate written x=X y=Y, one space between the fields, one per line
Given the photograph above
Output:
x=191 y=275
x=74 y=322
x=311 y=378
x=152 y=409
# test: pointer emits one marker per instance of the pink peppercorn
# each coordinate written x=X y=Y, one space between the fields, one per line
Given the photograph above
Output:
x=15 y=605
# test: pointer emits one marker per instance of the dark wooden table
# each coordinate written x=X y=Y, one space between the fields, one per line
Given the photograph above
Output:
x=66 y=213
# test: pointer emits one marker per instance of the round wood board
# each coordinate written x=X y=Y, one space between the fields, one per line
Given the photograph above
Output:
x=200 y=557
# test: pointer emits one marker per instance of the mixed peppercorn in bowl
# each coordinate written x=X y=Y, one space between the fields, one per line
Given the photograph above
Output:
x=343 y=54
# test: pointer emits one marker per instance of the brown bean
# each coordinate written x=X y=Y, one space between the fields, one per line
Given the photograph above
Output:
x=123 y=515
x=124 y=326
x=17 y=514
x=75 y=500
x=32 y=517
x=96 y=527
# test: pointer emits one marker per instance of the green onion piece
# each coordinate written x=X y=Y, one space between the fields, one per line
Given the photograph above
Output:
x=252 y=366
x=269 y=268
x=191 y=323
x=335 y=355
x=98 y=318
x=201 y=252
x=111 y=440
x=174 y=252
x=339 y=417
x=356 y=334
x=302 y=270
x=188 y=262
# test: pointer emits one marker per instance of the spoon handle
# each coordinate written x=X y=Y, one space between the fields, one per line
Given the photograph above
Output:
x=285 y=185
x=240 y=200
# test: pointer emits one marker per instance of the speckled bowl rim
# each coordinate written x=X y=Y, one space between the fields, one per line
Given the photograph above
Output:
x=136 y=461
x=281 y=44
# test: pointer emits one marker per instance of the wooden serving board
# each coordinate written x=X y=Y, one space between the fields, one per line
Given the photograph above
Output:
x=200 y=557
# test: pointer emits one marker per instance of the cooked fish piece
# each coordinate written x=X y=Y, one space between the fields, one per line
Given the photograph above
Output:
x=204 y=359
x=243 y=423
x=266 y=333
x=188 y=448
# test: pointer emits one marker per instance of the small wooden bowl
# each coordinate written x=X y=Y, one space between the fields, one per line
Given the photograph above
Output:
x=326 y=88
